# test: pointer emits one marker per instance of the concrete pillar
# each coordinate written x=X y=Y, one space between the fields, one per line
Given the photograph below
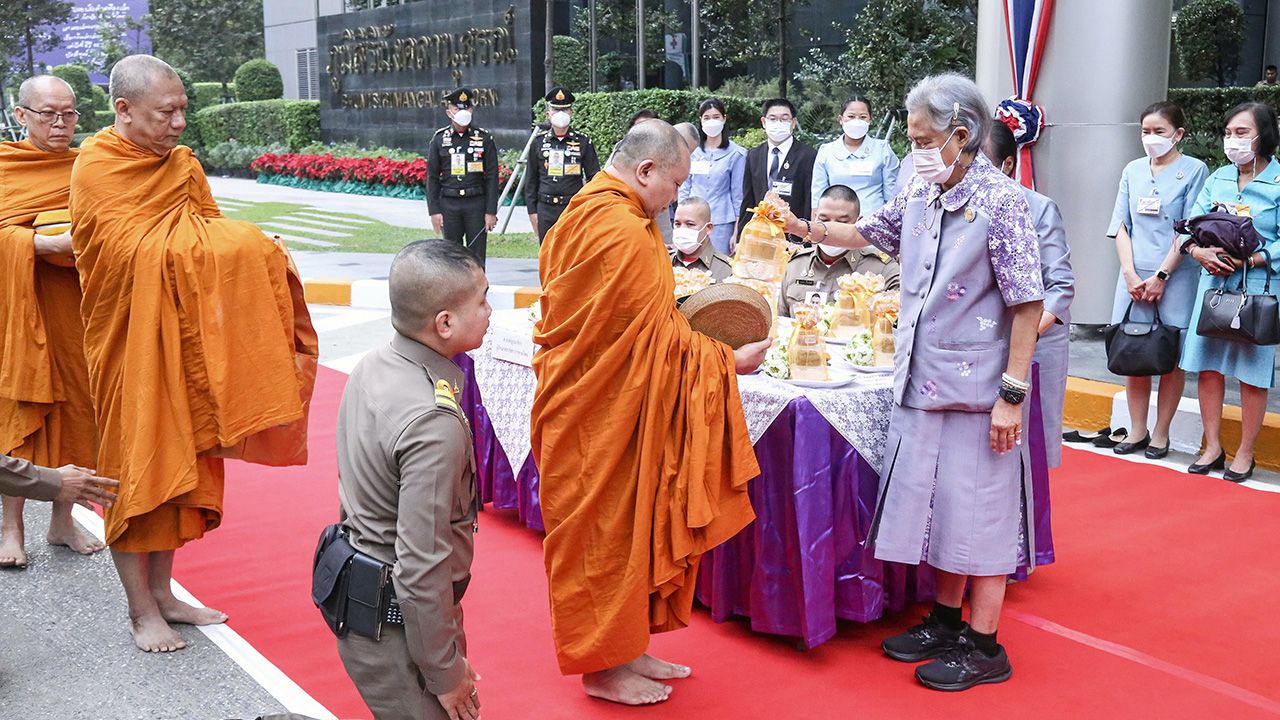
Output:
x=1103 y=63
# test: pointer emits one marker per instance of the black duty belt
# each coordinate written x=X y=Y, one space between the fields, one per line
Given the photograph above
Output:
x=462 y=192
x=554 y=199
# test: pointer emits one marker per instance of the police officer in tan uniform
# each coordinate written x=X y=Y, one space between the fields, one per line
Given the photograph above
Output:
x=561 y=161
x=462 y=177
x=691 y=240
x=818 y=269
x=407 y=487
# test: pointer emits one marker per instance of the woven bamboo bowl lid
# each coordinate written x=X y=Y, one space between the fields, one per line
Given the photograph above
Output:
x=55 y=222
x=733 y=314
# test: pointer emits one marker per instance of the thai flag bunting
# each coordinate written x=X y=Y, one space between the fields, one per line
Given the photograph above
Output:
x=1027 y=24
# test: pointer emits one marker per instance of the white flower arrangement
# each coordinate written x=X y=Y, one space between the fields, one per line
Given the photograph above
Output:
x=859 y=351
x=776 y=363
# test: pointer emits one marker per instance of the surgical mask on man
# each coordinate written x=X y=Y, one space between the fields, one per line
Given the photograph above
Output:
x=686 y=239
x=713 y=128
x=561 y=119
x=1238 y=150
x=856 y=129
x=462 y=118
x=832 y=250
x=1156 y=146
x=929 y=163
x=778 y=131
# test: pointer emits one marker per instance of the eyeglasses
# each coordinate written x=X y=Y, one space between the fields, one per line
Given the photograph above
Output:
x=49 y=117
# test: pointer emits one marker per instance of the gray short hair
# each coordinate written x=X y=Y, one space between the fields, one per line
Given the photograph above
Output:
x=133 y=76
x=651 y=140
x=951 y=100
x=31 y=87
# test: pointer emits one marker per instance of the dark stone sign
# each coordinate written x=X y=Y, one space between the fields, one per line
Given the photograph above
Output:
x=387 y=70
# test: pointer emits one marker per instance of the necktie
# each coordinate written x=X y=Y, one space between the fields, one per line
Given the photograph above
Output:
x=773 y=167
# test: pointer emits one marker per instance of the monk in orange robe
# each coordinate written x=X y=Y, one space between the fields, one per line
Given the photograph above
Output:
x=198 y=344
x=638 y=430
x=45 y=413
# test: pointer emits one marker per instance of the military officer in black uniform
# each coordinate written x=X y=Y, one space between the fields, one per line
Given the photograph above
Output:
x=561 y=161
x=462 y=178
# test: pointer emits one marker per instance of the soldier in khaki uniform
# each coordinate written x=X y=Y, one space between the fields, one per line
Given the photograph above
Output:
x=691 y=240
x=407 y=486
x=818 y=268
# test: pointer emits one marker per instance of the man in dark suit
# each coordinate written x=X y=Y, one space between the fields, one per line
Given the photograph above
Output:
x=780 y=163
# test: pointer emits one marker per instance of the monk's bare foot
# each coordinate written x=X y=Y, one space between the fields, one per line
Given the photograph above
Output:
x=152 y=634
x=625 y=686
x=12 y=553
x=176 y=611
x=655 y=669
x=74 y=538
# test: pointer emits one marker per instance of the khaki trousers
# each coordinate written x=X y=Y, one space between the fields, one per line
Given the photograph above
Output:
x=387 y=677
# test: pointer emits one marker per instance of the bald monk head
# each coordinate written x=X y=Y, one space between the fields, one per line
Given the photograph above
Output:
x=439 y=296
x=150 y=103
x=46 y=107
x=690 y=134
x=654 y=160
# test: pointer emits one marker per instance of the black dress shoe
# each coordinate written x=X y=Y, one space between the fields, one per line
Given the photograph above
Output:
x=1205 y=469
x=1156 y=453
x=927 y=640
x=1127 y=447
x=964 y=666
x=1236 y=477
x=1112 y=440
x=1075 y=436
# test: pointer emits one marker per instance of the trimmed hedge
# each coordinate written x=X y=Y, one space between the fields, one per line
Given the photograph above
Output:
x=294 y=123
x=603 y=116
x=78 y=78
x=1205 y=107
x=259 y=79
x=208 y=94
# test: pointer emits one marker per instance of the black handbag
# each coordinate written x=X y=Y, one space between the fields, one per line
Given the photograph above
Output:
x=1240 y=315
x=1137 y=349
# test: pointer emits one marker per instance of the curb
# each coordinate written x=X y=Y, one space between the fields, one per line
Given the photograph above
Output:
x=375 y=295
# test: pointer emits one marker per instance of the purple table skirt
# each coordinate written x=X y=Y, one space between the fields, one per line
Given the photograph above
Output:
x=803 y=564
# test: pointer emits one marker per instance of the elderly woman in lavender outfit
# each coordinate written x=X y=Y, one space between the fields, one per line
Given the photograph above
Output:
x=955 y=486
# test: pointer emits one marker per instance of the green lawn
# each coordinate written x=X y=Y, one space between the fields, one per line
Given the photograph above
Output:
x=332 y=231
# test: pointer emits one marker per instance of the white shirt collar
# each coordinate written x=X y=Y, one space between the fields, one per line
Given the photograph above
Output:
x=783 y=149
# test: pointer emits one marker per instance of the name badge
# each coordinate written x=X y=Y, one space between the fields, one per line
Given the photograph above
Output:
x=700 y=167
x=1148 y=206
x=817 y=297
x=861 y=167
x=555 y=163
x=782 y=188
x=1240 y=209
x=810 y=283
x=475 y=167
x=457 y=164
x=573 y=169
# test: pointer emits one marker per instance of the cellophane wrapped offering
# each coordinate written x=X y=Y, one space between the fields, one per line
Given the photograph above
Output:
x=808 y=353
x=884 y=308
x=690 y=280
x=852 y=303
x=762 y=246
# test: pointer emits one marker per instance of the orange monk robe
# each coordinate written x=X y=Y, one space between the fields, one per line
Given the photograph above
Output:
x=195 y=336
x=638 y=434
x=45 y=412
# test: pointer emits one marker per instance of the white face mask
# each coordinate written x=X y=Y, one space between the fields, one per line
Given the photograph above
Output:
x=686 y=239
x=462 y=117
x=778 y=131
x=1156 y=146
x=713 y=128
x=832 y=250
x=1238 y=150
x=856 y=129
x=929 y=163
x=560 y=119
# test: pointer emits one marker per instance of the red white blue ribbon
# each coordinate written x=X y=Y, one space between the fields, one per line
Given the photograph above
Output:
x=1027 y=25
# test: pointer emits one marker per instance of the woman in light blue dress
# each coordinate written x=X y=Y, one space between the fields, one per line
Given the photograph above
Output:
x=715 y=174
x=1155 y=191
x=1249 y=185
x=856 y=160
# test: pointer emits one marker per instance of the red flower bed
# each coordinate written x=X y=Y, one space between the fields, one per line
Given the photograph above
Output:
x=376 y=171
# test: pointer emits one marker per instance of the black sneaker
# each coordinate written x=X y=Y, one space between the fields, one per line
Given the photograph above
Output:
x=927 y=640
x=964 y=666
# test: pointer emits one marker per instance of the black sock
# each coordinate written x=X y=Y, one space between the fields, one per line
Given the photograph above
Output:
x=948 y=616
x=984 y=642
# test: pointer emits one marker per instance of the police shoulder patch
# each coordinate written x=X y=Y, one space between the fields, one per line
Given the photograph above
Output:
x=445 y=395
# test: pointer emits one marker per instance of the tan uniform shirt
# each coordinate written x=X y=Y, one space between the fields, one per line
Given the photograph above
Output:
x=20 y=478
x=708 y=261
x=407 y=491
x=806 y=274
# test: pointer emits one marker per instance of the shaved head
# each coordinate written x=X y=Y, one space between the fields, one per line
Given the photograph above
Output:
x=654 y=140
x=133 y=76
x=691 y=137
x=35 y=89
x=697 y=206
x=429 y=277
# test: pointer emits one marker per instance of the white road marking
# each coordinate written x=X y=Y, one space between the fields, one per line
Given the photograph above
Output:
x=345 y=364
x=1140 y=459
x=347 y=319
x=305 y=241
x=304 y=230
x=263 y=671
x=309 y=221
x=329 y=216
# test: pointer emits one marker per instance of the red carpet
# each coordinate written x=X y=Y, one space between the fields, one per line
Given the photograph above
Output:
x=1161 y=604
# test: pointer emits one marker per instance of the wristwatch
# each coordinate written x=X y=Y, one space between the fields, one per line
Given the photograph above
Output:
x=1013 y=396
x=1162 y=274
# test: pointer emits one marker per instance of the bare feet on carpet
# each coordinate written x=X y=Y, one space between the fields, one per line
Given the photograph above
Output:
x=74 y=538
x=625 y=686
x=175 y=611
x=152 y=634
x=12 y=553
x=655 y=669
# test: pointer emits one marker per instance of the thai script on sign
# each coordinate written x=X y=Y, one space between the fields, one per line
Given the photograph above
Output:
x=390 y=99
x=375 y=49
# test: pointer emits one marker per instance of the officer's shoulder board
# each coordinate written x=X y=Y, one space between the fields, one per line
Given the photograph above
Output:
x=803 y=252
x=446 y=396
x=875 y=252
x=721 y=256
x=441 y=131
